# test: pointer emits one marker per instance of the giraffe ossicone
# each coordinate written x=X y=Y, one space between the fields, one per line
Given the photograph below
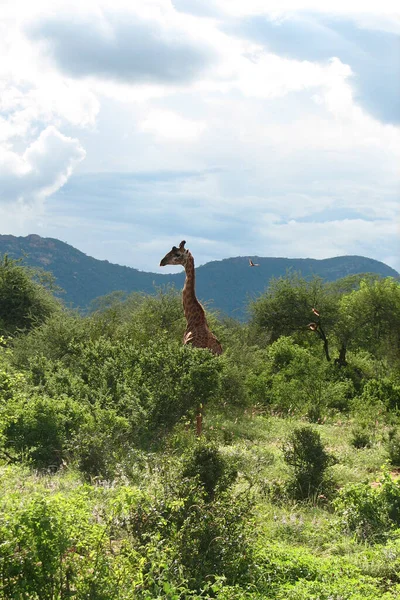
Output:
x=197 y=332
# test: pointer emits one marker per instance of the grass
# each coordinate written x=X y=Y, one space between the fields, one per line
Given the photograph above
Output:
x=300 y=552
x=257 y=436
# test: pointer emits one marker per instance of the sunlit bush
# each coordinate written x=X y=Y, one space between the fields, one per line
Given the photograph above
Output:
x=305 y=453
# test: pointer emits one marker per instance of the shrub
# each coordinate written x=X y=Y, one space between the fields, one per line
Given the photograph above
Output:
x=206 y=539
x=23 y=302
x=152 y=386
x=41 y=429
x=213 y=540
x=393 y=447
x=11 y=383
x=214 y=472
x=232 y=389
x=297 y=381
x=383 y=391
x=52 y=547
x=369 y=512
x=362 y=435
x=101 y=444
x=305 y=453
x=258 y=386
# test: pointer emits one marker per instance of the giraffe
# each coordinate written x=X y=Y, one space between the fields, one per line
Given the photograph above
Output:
x=197 y=331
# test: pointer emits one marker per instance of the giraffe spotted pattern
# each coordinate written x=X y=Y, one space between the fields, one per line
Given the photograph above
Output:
x=197 y=332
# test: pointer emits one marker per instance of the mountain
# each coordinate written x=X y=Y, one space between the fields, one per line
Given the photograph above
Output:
x=225 y=285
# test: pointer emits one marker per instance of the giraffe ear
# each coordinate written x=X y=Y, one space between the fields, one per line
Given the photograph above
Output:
x=182 y=245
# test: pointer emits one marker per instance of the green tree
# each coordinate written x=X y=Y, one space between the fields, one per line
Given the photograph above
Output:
x=24 y=303
x=295 y=306
x=305 y=453
x=369 y=318
x=285 y=308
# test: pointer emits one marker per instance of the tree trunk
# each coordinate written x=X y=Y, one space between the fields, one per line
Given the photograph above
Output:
x=341 y=361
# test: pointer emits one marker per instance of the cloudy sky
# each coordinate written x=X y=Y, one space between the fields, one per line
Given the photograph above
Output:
x=246 y=127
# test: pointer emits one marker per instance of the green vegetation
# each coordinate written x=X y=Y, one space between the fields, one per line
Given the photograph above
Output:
x=292 y=491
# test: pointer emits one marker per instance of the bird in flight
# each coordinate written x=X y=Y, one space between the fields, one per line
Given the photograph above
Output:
x=252 y=264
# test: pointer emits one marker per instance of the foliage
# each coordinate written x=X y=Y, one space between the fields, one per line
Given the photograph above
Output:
x=305 y=453
x=293 y=380
x=286 y=307
x=152 y=386
x=393 y=446
x=106 y=492
x=232 y=388
x=214 y=539
x=371 y=317
x=214 y=472
x=100 y=446
x=291 y=572
x=369 y=512
x=362 y=435
x=384 y=392
x=357 y=313
x=39 y=428
x=51 y=547
x=24 y=303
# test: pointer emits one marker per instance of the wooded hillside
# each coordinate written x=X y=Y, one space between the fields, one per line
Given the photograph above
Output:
x=226 y=285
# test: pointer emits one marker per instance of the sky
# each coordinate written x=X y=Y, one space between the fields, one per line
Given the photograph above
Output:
x=245 y=127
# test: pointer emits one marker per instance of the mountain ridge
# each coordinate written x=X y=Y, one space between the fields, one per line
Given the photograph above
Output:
x=225 y=285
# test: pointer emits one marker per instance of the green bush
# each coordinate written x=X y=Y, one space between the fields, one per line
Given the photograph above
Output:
x=353 y=587
x=383 y=391
x=52 y=548
x=205 y=539
x=152 y=386
x=362 y=435
x=24 y=303
x=305 y=453
x=393 y=447
x=258 y=385
x=232 y=389
x=287 y=571
x=11 y=384
x=214 y=472
x=101 y=446
x=41 y=429
x=297 y=381
x=214 y=540
x=368 y=512
x=56 y=339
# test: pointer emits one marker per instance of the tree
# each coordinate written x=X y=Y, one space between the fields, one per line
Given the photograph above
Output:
x=356 y=312
x=369 y=318
x=290 y=306
x=24 y=302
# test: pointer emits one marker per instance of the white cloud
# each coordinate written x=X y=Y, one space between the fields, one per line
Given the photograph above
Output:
x=143 y=43
x=41 y=170
x=331 y=238
x=171 y=126
x=31 y=90
x=278 y=8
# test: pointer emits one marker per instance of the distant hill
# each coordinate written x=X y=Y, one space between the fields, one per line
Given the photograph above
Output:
x=225 y=285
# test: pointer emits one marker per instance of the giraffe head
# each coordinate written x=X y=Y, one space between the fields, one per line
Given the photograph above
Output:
x=176 y=256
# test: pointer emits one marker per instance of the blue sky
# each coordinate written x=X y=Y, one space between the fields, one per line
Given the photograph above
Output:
x=246 y=128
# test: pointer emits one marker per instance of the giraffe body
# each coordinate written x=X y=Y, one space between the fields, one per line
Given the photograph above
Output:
x=197 y=332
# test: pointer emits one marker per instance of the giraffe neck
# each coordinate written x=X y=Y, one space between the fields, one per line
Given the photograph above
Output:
x=191 y=306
